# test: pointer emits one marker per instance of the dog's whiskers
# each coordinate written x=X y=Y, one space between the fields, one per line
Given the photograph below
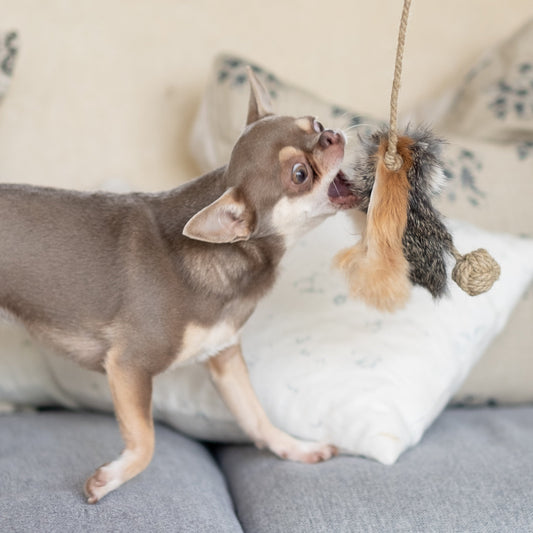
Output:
x=355 y=126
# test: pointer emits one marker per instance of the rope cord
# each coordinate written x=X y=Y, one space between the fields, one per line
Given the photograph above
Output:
x=392 y=159
x=476 y=271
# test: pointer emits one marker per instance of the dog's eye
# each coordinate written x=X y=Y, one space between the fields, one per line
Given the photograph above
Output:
x=317 y=126
x=299 y=173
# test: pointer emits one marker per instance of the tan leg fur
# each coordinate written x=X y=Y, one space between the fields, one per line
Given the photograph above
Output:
x=230 y=375
x=132 y=392
x=376 y=267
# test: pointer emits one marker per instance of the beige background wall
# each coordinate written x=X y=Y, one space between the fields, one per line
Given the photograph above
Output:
x=108 y=89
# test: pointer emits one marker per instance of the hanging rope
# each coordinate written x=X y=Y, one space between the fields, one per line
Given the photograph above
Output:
x=392 y=159
x=476 y=271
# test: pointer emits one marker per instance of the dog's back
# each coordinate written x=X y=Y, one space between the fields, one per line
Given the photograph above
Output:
x=64 y=261
x=48 y=239
x=82 y=270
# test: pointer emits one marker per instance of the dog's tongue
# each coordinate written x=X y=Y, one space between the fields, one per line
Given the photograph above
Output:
x=339 y=187
x=340 y=194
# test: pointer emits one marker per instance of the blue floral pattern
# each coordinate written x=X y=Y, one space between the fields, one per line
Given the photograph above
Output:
x=462 y=173
x=232 y=72
x=524 y=149
x=9 y=53
x=8 y=56
x=514 y=96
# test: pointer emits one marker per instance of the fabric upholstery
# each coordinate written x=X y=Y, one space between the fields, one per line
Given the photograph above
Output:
x=473 y=472
x=46 y=457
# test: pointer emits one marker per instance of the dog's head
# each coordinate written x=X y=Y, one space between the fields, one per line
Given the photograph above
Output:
x=283 y=178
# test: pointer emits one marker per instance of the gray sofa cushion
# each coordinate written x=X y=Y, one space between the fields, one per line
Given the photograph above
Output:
x=472 y=472
x=45 y=458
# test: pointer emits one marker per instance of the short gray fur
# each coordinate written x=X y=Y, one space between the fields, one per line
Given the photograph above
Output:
x=426 y=242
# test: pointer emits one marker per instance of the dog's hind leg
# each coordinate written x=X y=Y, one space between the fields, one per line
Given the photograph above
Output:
x=131 y=389
x=229 y=372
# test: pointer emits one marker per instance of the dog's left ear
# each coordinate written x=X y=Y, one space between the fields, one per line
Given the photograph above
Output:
x=260 y=103
x=225 y=220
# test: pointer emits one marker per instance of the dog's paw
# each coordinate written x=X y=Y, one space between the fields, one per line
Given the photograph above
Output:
x=309 y=452
x=103 y=481
x=302 y=451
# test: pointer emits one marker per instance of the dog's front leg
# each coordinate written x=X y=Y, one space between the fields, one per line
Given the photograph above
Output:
x=229 y=372
x=131 y=389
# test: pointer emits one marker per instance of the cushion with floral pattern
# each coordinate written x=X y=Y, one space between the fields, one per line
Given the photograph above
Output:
x=495 y=100
x=489 y=181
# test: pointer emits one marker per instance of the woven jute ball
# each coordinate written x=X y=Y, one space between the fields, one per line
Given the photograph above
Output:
x=476 y=272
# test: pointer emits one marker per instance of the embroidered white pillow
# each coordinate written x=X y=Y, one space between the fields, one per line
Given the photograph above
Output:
x=489 y=184
x=329 y=368
x=492 y=186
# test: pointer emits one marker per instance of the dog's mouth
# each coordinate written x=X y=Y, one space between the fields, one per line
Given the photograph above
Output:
x=340 y=193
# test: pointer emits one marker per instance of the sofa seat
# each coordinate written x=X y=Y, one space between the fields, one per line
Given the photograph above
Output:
x=472 y=472
x=46 y=457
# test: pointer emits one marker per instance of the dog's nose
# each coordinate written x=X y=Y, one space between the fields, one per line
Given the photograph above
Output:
x=329 y=138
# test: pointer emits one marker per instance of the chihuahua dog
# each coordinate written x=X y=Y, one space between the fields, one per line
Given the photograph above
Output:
x=134 y=284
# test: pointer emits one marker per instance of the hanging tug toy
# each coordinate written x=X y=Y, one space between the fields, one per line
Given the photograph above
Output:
x=405 y=240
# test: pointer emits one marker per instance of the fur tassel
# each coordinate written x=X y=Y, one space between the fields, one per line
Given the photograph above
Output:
x=426 y=241
x=376 y=267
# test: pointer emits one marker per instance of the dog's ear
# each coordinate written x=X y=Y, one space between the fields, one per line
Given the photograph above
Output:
x=226 y=220
x=260 y=103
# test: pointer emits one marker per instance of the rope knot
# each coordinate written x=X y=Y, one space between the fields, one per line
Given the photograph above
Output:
x=475 y=272
x=393 y=162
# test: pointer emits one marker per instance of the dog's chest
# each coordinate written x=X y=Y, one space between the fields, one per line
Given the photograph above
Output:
x=200 y=343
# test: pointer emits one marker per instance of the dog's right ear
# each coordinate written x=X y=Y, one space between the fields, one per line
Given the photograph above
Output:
x=260 y=103
x=226 y=220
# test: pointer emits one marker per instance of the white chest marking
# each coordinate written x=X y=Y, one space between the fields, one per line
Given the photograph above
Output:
x=199 y=343
x=293 y=217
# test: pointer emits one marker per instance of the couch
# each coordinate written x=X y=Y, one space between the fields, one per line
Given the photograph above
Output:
x=472 y=472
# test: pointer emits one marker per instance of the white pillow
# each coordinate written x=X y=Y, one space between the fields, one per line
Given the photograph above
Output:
x=492 y=187
x=329 y=368
x=489 y=184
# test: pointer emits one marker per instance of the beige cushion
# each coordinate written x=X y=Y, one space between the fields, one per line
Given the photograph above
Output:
x=495 y=100
x=222 y=113
x=490 y=184
x=495 y=103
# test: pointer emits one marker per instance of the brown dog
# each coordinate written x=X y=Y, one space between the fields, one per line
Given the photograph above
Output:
x=133 y=284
